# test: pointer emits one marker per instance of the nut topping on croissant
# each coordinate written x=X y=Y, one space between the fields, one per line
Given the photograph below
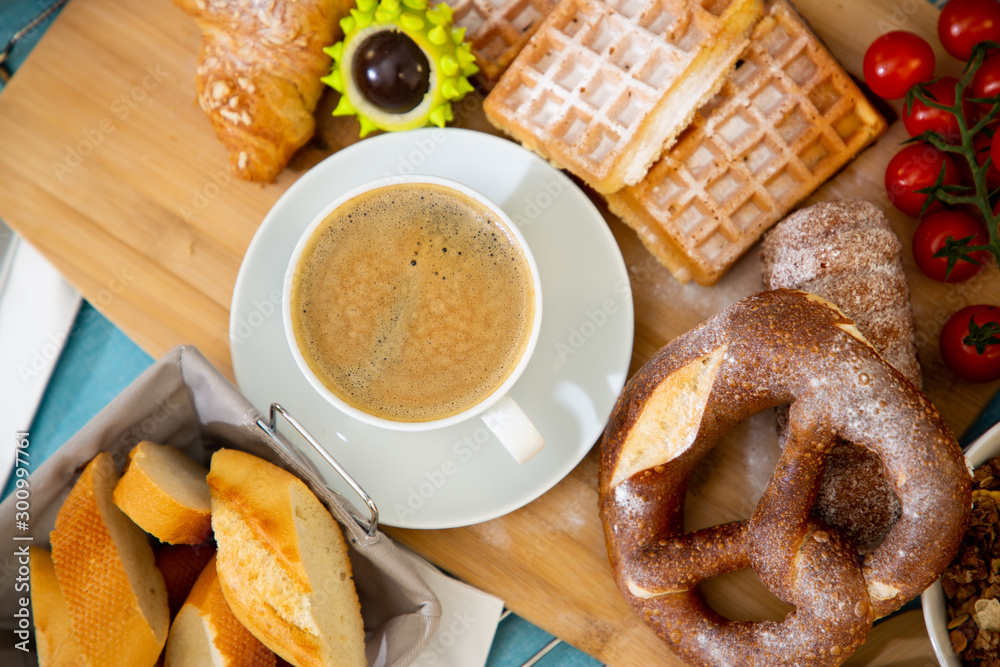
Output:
x=258 y=75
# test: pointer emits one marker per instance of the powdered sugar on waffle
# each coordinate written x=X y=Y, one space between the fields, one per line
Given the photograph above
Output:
x=602 y=87
x=783 y=122
x=497 y=30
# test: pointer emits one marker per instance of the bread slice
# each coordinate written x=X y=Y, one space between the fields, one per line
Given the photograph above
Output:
x=283 y=563
x=164 y=491
x=57 y=646
x=206 y=634
x=115 y=595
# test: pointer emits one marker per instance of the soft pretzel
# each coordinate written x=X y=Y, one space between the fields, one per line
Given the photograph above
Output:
x=258 y=76
x=773 y=348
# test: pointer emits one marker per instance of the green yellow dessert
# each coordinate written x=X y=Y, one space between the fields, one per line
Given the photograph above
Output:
x=400 y=65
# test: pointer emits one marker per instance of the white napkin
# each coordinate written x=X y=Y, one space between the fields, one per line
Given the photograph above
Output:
x=469 y=619
x=37 y=309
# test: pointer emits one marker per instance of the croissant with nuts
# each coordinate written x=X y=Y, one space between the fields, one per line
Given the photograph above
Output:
x=258 y=75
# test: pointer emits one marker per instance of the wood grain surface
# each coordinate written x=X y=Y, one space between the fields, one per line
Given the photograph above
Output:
x=110 y=169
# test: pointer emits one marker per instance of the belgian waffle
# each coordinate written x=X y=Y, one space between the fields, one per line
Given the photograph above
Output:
x=783 y=122
x=497 y=30
x=602 y=87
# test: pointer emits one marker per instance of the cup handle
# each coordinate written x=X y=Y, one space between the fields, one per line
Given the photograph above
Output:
x=514 y=430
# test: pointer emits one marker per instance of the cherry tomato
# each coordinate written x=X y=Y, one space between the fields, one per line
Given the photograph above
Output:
x=970 y=343
x=919 y=117
x=895 y=62
x=913 y=168
x=933 y=233
x=986 y=82
x=964 y=23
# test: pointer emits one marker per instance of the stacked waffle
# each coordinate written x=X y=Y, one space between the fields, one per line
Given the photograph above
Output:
x=498 y=29
x=602 y=86
x=701 y=123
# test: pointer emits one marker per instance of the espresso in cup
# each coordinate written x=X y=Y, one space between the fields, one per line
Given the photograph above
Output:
x=412 y=302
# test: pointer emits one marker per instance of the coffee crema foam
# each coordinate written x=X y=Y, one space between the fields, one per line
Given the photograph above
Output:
x=412 y=302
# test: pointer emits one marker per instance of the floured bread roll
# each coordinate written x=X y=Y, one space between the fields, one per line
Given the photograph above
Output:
x=846 y=252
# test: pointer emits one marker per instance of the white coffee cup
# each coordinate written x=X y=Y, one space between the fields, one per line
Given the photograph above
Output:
x=501 y=414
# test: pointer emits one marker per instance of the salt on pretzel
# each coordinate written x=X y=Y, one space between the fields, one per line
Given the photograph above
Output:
x=774 y=348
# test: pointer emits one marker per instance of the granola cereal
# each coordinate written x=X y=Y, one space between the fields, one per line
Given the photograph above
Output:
x=972 y=581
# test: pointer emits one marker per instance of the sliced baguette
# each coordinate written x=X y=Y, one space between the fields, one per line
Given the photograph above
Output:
x=164 y=491
x=57 y=646
x=206 y=634
x=115 y=595
x=283 y=563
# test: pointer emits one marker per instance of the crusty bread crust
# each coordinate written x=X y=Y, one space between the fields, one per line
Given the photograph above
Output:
x=57 y=646
x=283 y=564
x=181 y=565
x=164 y=491
x=206 y=634
x=115 y=595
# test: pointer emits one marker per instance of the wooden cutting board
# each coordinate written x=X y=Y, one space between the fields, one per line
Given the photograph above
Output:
x=110 y=169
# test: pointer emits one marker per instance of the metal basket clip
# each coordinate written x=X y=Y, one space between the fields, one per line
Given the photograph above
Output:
x=371 y=525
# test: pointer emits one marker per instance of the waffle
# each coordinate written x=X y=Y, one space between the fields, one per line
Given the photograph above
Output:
x=602 y=87
x=783 y=122
x=497 y=30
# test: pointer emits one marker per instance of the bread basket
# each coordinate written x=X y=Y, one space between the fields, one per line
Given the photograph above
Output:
x=184 y=402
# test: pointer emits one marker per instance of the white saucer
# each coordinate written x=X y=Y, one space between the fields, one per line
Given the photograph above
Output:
x=460 y=475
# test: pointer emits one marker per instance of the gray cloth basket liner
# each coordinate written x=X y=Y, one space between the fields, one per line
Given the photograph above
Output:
x=183 y=401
